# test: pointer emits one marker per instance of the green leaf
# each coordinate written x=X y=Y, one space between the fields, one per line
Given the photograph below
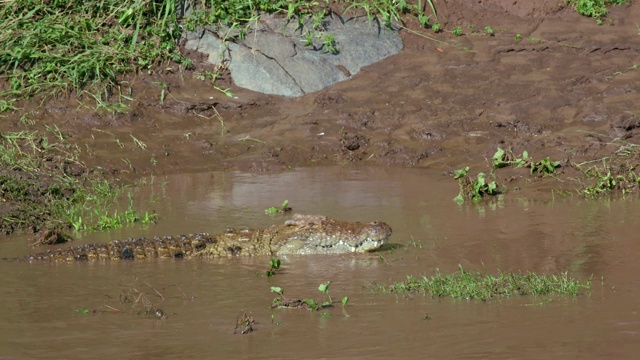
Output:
x=272 y=210
x=313 y=305
x=83 y=311
x=492 y=187
x=278 y=290
x=275 y=263
x=498 y=159
x=457 y=174
x=324 y=288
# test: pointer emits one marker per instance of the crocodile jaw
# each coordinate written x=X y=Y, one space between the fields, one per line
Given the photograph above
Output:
x=315 y=234
x=302 y=247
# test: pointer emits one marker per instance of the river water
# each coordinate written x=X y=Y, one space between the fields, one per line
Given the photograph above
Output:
x=76 y=310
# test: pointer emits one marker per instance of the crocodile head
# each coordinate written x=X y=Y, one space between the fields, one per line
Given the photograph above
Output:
x=314 y=234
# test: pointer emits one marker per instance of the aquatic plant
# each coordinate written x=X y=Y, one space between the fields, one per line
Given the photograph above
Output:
x=469 y=285
x=274 y=264
x=282 y=302
x=473 y=189
x=284 y=207
x=502 y=158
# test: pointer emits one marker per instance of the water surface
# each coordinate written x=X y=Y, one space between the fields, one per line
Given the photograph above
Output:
x=41 y=304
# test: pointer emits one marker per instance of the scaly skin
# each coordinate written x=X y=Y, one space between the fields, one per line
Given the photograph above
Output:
x=303 y=234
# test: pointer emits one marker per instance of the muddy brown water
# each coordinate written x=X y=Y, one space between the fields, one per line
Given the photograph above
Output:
x=40 y=305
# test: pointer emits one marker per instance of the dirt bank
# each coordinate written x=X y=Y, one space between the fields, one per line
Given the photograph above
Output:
x=548 y=81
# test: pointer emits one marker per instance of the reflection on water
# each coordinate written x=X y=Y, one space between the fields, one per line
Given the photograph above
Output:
x=41 y=306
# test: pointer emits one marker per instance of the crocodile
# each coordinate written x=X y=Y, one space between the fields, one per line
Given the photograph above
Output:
x=303 y=234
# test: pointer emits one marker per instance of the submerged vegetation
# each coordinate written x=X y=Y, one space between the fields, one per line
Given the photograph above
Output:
x=468 y=285
x=282 y=302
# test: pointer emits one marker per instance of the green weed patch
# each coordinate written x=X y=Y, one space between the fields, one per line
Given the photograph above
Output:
x=468 y=285
x=592 y=8
x=608 y=177
x=43 y=184
x=473 y=189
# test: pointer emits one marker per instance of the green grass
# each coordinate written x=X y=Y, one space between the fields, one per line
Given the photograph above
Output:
x=468 y=285
x=43 y=183
x=54 y=47
x=607 y=178
x=613 y=174
x=594 y=8
x=51 y=47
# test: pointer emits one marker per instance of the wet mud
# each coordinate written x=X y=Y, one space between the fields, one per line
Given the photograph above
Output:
x=566 y=89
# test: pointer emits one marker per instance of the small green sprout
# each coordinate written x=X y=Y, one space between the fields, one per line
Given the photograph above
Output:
x=274 y=264
x=324 y=288
x=284 y=207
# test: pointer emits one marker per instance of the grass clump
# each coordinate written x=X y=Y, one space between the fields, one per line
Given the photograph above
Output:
x=607 y=178
x=43 y=184
x=617 y=173
x=594 y=8
x=468 y=285
x=48 y=47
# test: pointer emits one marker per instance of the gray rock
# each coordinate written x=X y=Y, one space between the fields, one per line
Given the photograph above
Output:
x=273 y=58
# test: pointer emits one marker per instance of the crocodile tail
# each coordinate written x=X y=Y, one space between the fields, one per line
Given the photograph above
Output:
x=131 y=249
